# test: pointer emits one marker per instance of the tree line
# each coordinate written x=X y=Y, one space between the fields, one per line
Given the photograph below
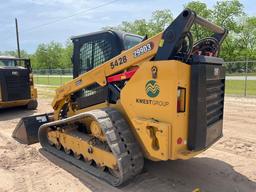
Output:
x=239 y=45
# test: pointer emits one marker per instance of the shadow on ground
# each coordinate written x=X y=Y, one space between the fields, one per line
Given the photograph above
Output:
x=14 y=113
x=94 y=184
x=208 y=174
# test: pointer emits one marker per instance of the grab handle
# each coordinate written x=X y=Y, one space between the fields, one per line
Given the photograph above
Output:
x=207 y=24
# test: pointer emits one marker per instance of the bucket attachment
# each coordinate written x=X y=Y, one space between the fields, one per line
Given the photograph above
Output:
x=26 y=132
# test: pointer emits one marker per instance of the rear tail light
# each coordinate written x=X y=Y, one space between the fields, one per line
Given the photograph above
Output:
x=179 y=141
x=181 y=99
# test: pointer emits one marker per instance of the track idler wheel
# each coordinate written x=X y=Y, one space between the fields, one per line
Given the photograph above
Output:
x=58 y=146
x=67 y=151
x=77 y=156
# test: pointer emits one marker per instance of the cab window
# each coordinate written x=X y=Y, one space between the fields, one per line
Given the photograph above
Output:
x=7 y=63
x=130 y=41
x=94 y=53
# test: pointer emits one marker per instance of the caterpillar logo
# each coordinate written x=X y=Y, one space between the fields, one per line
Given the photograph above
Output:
x=15 y=73
x=216 y=71
x=152 y=88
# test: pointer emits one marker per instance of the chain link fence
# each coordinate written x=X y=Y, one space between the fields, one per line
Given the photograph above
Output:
x=240 y=77
x=52 y=77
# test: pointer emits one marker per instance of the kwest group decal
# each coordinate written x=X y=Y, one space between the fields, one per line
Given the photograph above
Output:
x=152 y=102
x=152 y=90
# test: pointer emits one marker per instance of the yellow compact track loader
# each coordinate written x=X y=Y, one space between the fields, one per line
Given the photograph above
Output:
x=16 y=83
x=131 y=98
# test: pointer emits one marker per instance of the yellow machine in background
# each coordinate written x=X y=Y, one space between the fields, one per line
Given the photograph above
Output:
x=132 y=98
x=16 y=83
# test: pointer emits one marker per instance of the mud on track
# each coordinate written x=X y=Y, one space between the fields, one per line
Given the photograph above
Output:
x=230 y=165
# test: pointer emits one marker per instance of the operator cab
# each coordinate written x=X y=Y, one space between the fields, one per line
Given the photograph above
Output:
x=15 y=79
x=7 y=62
x=92 y=50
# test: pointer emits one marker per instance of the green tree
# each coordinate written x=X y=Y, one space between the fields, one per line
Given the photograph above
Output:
x=139 y=27
x=23 y=53
x=49 y=56
x=227 y=14
x=67 y=54
x=202 y=10
x=53 y=55
x=158 y=21
x=247 y=38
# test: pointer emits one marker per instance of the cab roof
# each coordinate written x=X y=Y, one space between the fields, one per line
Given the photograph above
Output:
x=3 y=57
x=7 y=57
x=120 y=34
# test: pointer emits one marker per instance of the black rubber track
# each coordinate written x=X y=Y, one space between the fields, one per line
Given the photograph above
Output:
x=119 y=138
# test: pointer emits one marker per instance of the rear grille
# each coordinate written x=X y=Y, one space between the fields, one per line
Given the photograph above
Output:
x=17 y=87
x=206 y=102
x=214 y=101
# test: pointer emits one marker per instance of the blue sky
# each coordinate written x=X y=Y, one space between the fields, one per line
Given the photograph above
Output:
x=34 y=13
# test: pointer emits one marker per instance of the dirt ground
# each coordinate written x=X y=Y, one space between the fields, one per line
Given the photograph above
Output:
x=230 y=165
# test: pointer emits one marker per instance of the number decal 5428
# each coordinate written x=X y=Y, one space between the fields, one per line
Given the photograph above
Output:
x=142 y=50
x=117 y=62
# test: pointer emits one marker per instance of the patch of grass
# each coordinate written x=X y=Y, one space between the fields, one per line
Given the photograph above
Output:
x=236 y=87
x=241 y=74
x=51 y=80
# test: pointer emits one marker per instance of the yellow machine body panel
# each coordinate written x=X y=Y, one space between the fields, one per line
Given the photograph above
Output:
x=33 y=92
x=154 y=117
x=7 y=104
